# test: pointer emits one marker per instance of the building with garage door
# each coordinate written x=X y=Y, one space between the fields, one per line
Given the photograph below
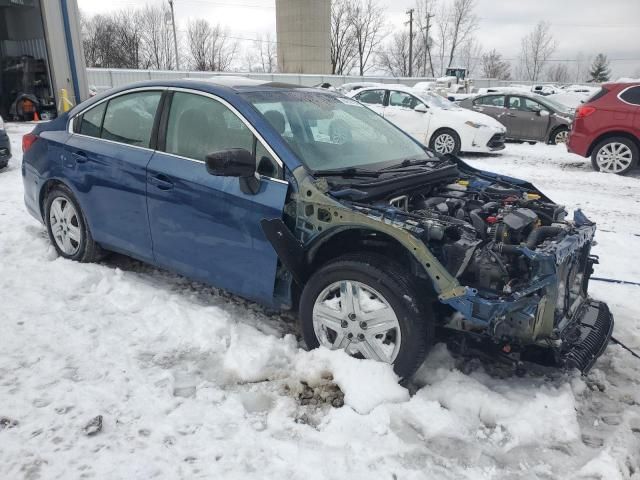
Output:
x=42 y=68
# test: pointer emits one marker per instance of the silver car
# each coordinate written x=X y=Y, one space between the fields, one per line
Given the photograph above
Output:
x=529 y=118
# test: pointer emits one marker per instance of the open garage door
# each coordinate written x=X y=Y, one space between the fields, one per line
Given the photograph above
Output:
x=25 y=80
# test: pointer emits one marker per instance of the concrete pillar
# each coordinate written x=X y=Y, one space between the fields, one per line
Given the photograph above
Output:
x=303 y=35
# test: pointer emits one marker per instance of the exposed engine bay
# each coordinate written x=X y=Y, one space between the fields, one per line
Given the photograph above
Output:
x=522 y=265
x=476 y=228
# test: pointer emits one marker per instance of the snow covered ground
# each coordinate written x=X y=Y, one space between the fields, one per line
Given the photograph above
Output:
x=194 y=383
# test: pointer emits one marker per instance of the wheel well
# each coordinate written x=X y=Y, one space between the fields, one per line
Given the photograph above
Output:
x=44 y=191
x=443 y=129
x=604 y=136
x=358 y=240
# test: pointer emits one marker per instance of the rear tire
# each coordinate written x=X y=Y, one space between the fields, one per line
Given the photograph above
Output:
x=615 y=155
x=445 y=141
x=403 y=333
x=67 y=227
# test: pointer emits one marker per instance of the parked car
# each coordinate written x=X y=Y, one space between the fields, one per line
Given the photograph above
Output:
x=607 y=128
x=528 y=117
x=377 y=242
x=433 y=120
x=5 y=146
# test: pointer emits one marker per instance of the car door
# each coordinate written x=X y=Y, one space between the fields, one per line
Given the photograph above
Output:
x=492 y=105
x=374 y=99
x=400 y=111
x=206 y=226
x=529 y=123
x=105 y=161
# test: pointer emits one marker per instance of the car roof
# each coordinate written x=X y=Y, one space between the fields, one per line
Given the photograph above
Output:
x=392 y=86
x=223 y=85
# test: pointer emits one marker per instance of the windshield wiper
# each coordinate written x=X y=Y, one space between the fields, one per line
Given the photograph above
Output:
x=347 y=172
x=412 y=163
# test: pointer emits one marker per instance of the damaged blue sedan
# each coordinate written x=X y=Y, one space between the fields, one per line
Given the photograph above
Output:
x=303 y=199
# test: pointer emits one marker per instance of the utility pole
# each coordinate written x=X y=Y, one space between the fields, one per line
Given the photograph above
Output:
x=427 y=49
x=175 y=37
x=410 y=13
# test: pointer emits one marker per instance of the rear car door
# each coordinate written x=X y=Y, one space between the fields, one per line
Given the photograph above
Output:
x=206 y=226
x=526 y=119
x=105 y=161
x=492 y=105
x=400 y=111
x=374 y=99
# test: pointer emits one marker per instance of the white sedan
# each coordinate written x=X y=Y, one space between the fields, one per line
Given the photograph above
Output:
x=434 y=120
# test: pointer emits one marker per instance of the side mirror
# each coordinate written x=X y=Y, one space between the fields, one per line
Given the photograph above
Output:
x=421 y=107
x=543 y=113
x=234 y=162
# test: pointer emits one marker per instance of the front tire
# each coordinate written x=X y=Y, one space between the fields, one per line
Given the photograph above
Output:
x=369 y=307
x=615 y=155
x=67 y=227
x=445 y=141
x=559 y=136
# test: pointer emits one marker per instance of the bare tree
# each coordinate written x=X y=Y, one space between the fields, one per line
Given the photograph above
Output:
x=394 y=57
x=463 y=22
x=367 y=20
x=209 y=46
x=343 y=42
x=537 y=47
x=493 y=66
x=199 y=41
x=266 y=52
x=157 y=38
x=470 y=55
x=558 y=73
x=580 y=68
x=425 y=14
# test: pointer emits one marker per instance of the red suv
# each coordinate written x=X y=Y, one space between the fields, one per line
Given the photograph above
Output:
x=607 y=128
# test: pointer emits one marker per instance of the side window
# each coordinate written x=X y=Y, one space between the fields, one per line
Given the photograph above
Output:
x=631 y=95
x=402 y=99
x=129 y=118
x=525 y=104
x=199 y=126
x=91 y=121
x=490 y=101
x=371 y=97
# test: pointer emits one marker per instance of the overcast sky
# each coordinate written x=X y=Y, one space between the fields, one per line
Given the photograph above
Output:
x=587 y=26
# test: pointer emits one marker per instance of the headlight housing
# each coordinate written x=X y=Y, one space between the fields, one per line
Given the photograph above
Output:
x=476 y=125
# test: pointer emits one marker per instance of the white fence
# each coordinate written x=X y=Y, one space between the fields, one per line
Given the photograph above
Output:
x=105 y=78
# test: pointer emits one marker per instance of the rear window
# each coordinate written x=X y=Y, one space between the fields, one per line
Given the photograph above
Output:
x=599 y=94
x=631 y=95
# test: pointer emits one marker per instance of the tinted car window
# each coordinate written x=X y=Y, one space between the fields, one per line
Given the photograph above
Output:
x=631 y=95
x=490 y=101
x=129 y=118
x=524 y=104
x=199 y=126
x=372 y=97
x=92 y=121
x=402 y=99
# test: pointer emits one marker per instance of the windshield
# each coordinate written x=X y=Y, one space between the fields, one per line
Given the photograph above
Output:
x=329 y=132
x=437 y=101
x=559 y=107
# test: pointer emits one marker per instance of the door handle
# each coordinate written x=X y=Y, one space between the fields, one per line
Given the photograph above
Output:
x=80 y=157
x=161 y=181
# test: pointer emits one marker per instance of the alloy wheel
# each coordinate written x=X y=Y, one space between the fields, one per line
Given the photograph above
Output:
x=65 y=227
x=614 y=157
x=561 y=136
x=444 y=143
x=354 y=317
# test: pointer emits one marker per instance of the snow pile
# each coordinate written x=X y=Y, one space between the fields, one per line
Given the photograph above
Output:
x=119 y=370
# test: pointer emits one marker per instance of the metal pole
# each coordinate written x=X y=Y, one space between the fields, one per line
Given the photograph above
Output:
x=175 y=37
x=410 y=13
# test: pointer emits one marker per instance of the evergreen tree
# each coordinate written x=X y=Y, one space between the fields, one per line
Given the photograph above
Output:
x=600 y=71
